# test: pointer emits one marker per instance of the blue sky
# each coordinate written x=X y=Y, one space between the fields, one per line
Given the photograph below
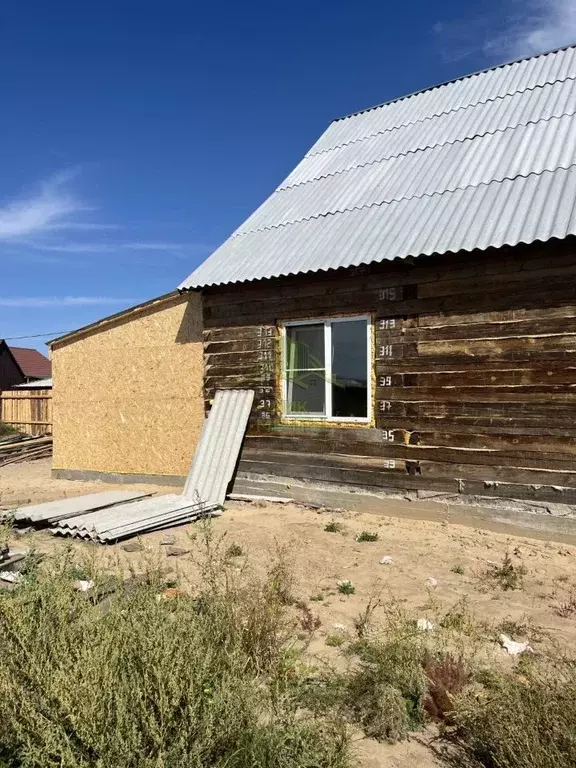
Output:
x=135 y=136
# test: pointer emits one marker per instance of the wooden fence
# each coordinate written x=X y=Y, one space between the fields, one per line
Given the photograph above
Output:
x=29 y=410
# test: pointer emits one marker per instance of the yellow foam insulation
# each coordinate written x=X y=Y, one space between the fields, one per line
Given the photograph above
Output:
x=127 y=394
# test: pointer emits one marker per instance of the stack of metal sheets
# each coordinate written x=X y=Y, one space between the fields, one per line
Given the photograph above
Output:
x=113 y=515
x=53 y=511
x=135 y=517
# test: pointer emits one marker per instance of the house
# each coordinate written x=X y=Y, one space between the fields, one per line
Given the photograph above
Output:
x=404 y=304
x=20 y=365
x=128 y=403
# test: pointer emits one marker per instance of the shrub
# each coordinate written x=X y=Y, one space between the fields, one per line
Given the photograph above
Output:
x=333 y=527
x=447 y=675
x=141 y=681
x=385 y=691
x=235 y=550
x=367 y=536
x=334 y=641
x=521 y=720
x=508 y=576
x=345 y=587
x=7 y=429
x=458 y=568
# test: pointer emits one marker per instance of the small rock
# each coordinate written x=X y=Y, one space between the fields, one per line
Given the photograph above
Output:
x=168 y=540
x=431 y=582
x=83 y=585
x=22 y=531
x=340 y=627
x=133 y=546
x=176 y=551
x=386 y=560
x=11 y=576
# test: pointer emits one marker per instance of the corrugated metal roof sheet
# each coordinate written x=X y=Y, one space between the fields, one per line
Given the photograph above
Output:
x=219 y=446
x=483 y=161
x=37 y=384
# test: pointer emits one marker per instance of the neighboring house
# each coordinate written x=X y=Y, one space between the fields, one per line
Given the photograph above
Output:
x=19 y=365
x=10 y=372
x=404 y=304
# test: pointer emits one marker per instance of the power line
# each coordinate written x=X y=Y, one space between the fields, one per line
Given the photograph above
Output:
x=34 y=335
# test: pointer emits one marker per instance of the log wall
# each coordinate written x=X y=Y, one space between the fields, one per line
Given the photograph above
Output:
x=474 y=370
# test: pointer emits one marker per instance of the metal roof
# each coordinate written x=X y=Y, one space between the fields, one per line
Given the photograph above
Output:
x=217 y=452
x=484 y=161
x=37 y=384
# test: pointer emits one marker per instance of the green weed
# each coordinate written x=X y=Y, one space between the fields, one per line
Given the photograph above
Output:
x=367 y=536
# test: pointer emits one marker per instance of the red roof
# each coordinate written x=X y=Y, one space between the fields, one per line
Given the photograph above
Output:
x=32 y=363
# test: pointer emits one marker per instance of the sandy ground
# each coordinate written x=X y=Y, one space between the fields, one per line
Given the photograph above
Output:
x=455 y=557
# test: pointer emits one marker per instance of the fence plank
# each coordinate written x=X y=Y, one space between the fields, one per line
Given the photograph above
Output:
x=28 y=410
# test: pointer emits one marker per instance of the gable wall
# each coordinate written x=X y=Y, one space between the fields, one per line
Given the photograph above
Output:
x=481 y=361
x=10 y=374
x=128 y=395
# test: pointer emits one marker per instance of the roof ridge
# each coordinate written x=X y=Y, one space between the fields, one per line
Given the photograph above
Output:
x=455 y=80
x=403 y=199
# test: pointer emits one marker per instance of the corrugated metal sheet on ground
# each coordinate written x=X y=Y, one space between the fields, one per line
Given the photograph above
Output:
x=483 y=161
x=58 y=510
x=132 y=518
x=219 y=446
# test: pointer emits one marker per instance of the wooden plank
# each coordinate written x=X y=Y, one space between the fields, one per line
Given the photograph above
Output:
x=396 y=449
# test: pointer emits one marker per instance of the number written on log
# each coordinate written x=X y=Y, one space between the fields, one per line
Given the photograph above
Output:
x=390 y=294
x=385 y=406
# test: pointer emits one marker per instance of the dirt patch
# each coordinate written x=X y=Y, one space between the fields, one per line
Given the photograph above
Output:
x=430 y=567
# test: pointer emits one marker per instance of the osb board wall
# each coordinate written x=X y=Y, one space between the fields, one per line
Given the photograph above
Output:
x=474 y=363
x=128 y=395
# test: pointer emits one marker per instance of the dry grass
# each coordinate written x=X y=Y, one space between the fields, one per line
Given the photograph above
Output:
x=156 y=674
x=141 y=680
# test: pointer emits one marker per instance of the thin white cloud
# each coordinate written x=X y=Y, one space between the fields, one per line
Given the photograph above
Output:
x=81 y=226
x=535 y=27
x=114 y=247
x=151 y=246
x=35 y=214
x=64 y=301
x=516 y=29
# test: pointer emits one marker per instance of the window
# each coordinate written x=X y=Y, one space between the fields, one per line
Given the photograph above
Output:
x=326 y=369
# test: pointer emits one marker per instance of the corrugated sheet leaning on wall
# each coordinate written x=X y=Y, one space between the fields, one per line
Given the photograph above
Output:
x=219 y=445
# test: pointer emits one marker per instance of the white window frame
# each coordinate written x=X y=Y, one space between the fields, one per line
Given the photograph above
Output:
x=327 y=322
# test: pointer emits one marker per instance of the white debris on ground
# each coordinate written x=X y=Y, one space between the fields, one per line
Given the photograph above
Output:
x=386 y=560
x=514 y=648
x=423 y=625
